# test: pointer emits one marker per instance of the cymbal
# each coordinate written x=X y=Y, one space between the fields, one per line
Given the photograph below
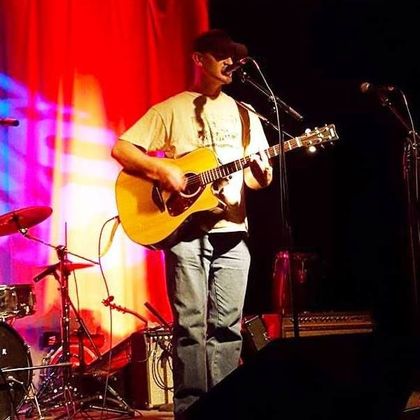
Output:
x=24 y=218
x=70 y=266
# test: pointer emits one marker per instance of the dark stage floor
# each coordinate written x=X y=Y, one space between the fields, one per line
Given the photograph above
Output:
x=411 y=412
x=97 y=414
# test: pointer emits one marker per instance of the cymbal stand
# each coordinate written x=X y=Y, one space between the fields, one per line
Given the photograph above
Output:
x=62 y=254
x=68 y=387
x=65 y=318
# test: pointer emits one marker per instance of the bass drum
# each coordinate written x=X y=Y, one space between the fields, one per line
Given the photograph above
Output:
x=51 y=377
x=14 y=353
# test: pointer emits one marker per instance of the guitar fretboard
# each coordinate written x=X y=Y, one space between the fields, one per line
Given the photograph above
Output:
x=326 y=133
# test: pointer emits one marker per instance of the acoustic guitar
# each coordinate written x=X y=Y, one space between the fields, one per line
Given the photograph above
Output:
x=152 y=217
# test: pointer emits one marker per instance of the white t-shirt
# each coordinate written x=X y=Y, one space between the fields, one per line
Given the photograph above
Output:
x=188 y=121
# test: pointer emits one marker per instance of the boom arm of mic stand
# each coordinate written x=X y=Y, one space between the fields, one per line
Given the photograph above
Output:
x=245 y=78
x=58 y=248
x=262 y=118
x=388 y=104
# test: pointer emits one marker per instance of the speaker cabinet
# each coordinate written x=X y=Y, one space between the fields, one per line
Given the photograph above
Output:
x=329 y=377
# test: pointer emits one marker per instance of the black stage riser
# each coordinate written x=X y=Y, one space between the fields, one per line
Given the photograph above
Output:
x=336 y=377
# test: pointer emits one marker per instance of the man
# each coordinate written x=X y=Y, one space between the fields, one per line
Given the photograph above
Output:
x=207 y=269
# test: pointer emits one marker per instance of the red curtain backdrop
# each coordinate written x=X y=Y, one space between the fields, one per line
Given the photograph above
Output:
x=76 y=74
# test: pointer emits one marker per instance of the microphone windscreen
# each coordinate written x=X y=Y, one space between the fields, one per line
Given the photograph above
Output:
x=364 y=87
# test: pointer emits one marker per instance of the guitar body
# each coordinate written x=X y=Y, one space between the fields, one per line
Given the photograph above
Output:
x=150 y=217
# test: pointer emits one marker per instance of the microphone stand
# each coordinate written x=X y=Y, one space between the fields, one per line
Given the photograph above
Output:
x=411 y=178
x=286 y=235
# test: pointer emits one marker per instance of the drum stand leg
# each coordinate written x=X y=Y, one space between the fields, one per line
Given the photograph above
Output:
x=76 y=403
x=33 y=399
x=120 y=405
x=9 y=383
x=30 y=397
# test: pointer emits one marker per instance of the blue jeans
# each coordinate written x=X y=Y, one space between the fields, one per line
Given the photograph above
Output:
x=207 y=280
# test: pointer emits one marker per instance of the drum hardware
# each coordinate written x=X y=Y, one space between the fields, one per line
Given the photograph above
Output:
x=7 y=385
x=20 y=221
x=63 y=386
x=16 y=368
x=30 y=392
x=69 y=266
x=67 y=386
x=16 y=301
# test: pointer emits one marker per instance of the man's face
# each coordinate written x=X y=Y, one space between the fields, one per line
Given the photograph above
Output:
x=214 y=66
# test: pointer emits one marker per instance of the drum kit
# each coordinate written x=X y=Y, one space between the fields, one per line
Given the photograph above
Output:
x=57 y=388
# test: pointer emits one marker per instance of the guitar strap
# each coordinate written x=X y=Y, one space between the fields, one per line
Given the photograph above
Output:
x=246 y=129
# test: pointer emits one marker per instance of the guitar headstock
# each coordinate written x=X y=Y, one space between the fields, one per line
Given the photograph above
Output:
x=324 y=134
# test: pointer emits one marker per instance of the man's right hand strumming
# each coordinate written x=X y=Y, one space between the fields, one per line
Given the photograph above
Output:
x=171 y=177
x=132 y=158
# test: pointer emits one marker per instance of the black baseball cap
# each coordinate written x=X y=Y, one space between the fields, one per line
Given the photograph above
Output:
x=219 y=44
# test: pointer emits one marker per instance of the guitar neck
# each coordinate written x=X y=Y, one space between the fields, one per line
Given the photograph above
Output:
x=310 y=138
x=222 y=171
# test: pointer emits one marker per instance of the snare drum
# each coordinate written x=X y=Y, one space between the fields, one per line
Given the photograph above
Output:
x=14 y=353
x=16 y=301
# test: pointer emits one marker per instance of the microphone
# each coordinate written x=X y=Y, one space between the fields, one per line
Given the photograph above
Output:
x=8 y=122
x=236 y=65
x=49 y=270
x=367 y=87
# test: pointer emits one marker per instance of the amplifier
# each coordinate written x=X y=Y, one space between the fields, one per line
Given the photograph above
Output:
x=254 y=333
x=152 y=369
x=140 y=369
x=327 y=323
x=259 y=330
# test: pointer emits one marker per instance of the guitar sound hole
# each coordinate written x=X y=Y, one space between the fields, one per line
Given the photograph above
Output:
x=193 y=185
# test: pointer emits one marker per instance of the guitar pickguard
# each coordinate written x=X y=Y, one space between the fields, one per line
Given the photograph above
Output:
x=178 y=203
